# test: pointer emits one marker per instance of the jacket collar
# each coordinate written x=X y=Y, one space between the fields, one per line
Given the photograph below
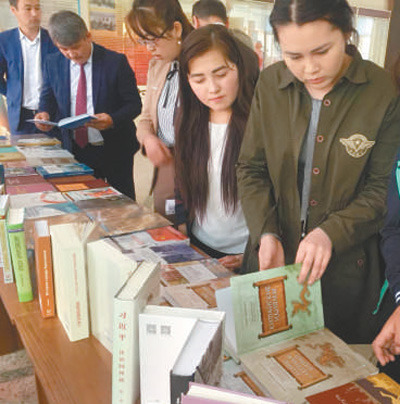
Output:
x=355 y=73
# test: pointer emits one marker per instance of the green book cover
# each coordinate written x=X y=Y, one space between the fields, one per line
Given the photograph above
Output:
x=271 y=306
x=16 y=237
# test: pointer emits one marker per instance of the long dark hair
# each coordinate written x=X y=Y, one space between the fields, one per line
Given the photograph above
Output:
x=156 y=17
x=336 y=12
x=192 y=139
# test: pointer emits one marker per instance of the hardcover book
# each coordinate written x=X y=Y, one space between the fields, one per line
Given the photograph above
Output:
x=96 y=193
x=37 y=199
x=275 y=326
x=44 y=152
x=24 y=180
x=108 y=270
x=140 y=289
x=16 y=238
x=18 y=171
x=5 y=255
x=37 y=141
x=44 y=268
x=79 y=186
x=68 y=243
x=374 y=389
x=71 y=179
x=178 y=346
x=63 y=170
x=10 y=154
x=51 y=209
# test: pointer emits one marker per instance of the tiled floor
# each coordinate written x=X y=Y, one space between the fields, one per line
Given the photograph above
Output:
x=17 y=380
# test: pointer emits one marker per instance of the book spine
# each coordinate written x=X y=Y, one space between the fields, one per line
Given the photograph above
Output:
x=5 y=253
x=20 y=264
x=124 y=388
x=44 y=271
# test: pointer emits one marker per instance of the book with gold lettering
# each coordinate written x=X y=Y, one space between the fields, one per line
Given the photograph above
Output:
x=276 y=328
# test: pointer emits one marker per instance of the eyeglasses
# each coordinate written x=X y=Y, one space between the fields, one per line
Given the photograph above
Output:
x=152 y=41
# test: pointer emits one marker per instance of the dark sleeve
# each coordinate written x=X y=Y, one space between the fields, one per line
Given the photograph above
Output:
x=390 y=244
x=47 y=101
x=3 y=70
x=130 y=102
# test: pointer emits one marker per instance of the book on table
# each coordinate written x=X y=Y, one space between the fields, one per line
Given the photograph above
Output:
x=373 y=389
x=94 y=193
x=275 y=327
x=72 y=122
x=8 y=276
x=16 y=238
x=141 y=288
x=10 y=154
x=37 y=199
x=203 y=394
x=44 y=268
x=177 y=346
x=68 y=243
x=63 y=170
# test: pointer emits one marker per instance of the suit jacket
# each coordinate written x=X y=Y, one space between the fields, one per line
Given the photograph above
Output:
x=12 y=70
x=114 y=92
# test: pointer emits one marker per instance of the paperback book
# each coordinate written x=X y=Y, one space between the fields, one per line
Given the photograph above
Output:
x=63 y=170
x=71 y=122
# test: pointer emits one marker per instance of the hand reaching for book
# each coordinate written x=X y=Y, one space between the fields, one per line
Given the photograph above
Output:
x=44 y=116
x=232 y=261
x=387 y=344
x=314 y=252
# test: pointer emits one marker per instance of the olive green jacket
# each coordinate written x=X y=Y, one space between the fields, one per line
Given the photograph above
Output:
x=357 y=138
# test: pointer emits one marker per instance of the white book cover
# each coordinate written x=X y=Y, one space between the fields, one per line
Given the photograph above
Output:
x=36 y=199
x=70 y=279
x=142 y=286
x=108 y=270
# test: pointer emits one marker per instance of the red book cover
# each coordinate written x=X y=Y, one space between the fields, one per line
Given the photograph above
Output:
x=167 y=233
x=72 y=179
x=30 y=188
x=24 y=180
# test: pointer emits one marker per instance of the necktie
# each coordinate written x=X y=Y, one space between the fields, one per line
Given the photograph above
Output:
x=81 y=134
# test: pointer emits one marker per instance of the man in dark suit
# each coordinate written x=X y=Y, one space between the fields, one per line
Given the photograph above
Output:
x=87 y=78
x=22 y=54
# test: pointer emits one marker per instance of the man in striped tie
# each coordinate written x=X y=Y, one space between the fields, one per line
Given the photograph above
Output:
x=88 y=78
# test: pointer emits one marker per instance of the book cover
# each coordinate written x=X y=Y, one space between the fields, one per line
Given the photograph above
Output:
x=30 y=188
x=18 y=171
x=68 y=243
x=37 y=199
x=108 y=270
x=52 y=209
x=72 y=122
x=71 y=179
x=96 y=193
x=5 y=255
x=374 y=389
x=79 y=186
x=37 y=141
x=151 y=237
x=16 y=238
x=141 y=287
x=275 y=326
x=176 y=252
x=209 y=395
x=44 y=268
x=44 y=161
x=10 y=154
x=56 y=151
x=63 y=170
x=24 y=180
x=167 y=334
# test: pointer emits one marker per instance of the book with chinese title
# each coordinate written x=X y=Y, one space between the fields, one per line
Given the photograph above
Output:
x=141 y=288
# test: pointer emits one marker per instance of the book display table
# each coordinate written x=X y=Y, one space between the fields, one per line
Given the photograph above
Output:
x=66 y=372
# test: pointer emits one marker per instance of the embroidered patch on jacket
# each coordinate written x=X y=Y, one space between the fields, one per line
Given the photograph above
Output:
x=357 y=145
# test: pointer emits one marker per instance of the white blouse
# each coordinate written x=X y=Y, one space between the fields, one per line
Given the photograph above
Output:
x=221 y=230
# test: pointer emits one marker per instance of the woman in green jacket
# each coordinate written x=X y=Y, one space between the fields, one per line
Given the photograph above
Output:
x=314 y=164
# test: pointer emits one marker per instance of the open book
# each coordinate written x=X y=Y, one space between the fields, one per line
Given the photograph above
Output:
x=71 y=122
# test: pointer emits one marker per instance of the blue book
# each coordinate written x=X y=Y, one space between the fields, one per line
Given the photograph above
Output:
x=71 y=122
x=63 y=170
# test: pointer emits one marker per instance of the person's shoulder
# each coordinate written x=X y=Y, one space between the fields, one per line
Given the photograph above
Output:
x=274 y=73
x=108 y=54
x=377 y=75
x=8 y=35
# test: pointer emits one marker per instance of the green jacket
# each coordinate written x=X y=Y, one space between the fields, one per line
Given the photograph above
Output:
x=357 y=138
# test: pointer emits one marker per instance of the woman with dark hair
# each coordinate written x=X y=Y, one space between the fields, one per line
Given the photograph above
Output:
x=217 y=78
x=162 y=26
x=315 y=160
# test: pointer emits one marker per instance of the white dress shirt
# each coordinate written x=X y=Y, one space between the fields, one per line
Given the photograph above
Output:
x=94 y=135
x=32 y=71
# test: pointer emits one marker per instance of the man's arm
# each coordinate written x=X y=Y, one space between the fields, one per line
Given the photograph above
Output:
x=47 y=101
x=128 y=93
